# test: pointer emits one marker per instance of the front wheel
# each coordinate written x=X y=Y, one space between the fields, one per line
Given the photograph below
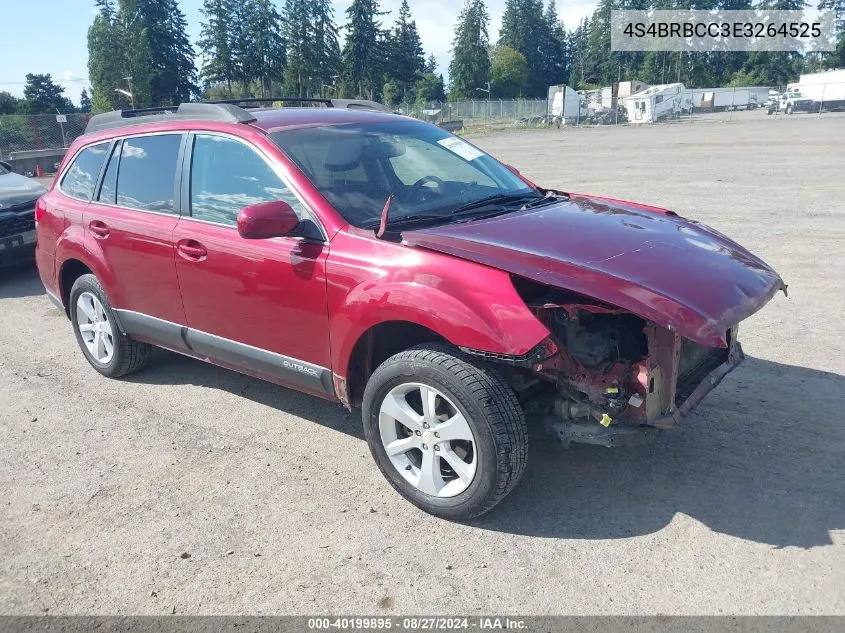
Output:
x=447 y=433
x=789 y=109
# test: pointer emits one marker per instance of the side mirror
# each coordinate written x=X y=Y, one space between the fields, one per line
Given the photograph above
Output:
x=267 y=219
x=5 y=165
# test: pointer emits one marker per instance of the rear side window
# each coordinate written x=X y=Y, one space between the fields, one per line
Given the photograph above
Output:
x=227 y=176
x=81 y=178
x=147 y=174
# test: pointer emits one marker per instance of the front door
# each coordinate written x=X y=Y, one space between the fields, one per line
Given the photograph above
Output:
x=256 y=305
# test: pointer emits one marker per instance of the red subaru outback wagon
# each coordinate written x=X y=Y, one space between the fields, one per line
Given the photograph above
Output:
x=379 y=261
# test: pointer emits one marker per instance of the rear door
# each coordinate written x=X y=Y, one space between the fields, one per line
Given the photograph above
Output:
x=129 y=225
x=259 y=305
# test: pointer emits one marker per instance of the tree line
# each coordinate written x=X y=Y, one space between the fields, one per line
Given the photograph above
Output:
x=140 y=54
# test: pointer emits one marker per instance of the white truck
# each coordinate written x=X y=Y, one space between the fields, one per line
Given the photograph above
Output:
x=659 y=103
x=826 y=89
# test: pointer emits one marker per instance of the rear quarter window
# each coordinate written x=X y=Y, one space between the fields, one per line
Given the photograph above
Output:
x=79 y=181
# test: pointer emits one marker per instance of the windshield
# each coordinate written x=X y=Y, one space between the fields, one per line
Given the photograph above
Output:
x=430 y=173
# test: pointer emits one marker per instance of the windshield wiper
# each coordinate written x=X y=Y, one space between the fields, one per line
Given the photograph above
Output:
x=499 y=198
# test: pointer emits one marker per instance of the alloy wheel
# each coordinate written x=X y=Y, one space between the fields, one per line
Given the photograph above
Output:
x=95 y=328
x=428 y=440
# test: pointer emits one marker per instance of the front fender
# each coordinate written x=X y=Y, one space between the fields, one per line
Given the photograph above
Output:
x=468 y=304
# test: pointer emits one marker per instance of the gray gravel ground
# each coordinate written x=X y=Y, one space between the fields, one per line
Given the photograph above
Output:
x=109 y=485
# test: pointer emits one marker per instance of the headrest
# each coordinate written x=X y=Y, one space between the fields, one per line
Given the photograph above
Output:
x=344 y=154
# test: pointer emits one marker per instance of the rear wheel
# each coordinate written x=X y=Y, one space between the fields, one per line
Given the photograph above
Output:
x=448 y=434
x=107 y=349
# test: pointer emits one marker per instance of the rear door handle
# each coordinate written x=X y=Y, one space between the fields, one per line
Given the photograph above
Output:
x=99 y=229
x=192 y=250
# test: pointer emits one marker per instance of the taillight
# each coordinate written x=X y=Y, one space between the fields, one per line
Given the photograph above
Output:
x=40 y=209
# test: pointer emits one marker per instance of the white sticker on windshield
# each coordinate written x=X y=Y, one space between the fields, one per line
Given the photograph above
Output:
x=461 y=148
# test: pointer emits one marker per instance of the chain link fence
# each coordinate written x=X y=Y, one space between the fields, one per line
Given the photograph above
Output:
x=490 y=114
x=36 y=143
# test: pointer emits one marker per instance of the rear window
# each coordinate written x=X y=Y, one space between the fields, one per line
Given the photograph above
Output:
x=146 y=177
x=81 y=178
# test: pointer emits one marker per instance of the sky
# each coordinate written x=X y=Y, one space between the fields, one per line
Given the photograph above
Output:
x=50 y=36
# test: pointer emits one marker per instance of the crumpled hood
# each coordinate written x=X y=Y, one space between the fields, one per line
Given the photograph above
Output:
x=16 y=190
x=675 y=272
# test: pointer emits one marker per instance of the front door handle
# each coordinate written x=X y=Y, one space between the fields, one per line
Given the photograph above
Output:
x=98 y=229
x=191 y=250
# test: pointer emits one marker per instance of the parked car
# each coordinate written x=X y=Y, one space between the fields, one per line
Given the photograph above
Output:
x=17 y=216
x=795 y=102
x=378 y=261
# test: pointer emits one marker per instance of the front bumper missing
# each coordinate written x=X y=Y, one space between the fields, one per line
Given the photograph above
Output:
x=708 y=384
x=621 y=434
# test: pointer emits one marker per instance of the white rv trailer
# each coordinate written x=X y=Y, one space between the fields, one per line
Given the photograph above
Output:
x=566 y=105
x=658 y=103
x=826 y=88
x=728 y=98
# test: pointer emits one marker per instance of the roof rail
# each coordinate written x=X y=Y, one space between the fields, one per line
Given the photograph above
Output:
x=222 y=112
x=253 y=102
x=349 y=104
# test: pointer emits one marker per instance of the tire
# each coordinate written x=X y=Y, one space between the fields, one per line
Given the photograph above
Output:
x=469 y=395
x=789 y=109
x=127 y=356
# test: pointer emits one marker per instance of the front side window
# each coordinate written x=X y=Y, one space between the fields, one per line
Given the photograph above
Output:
x=431 y=174
x=81 y=178
x=227 y=176
x=147 y=175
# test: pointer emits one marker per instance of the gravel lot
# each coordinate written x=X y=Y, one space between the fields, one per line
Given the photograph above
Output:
x=192 y=489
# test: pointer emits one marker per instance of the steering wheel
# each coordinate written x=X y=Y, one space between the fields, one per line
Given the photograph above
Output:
x=417 y=186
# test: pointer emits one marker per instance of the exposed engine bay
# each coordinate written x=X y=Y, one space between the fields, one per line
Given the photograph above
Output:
x=607 y=376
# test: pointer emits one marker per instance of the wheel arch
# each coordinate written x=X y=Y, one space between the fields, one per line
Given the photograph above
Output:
x=487 y=315
x=70 y=270
x=375 y=345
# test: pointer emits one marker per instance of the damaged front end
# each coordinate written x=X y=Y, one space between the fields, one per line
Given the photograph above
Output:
x=609 y=377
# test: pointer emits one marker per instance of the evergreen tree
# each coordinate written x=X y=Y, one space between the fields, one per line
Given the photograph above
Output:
x=215 y=44
x=430 y=64
x=836 y=58
x=84 y=101
x=314 y=60
x=265 y=56
x=106 y=63
x=42 y=96
x=470 y=66
x=173 y=73
x=363 y=52
x=555 y=66
x=524 y=29
x=429 y=88
x=327 y=57
x=405 y=50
